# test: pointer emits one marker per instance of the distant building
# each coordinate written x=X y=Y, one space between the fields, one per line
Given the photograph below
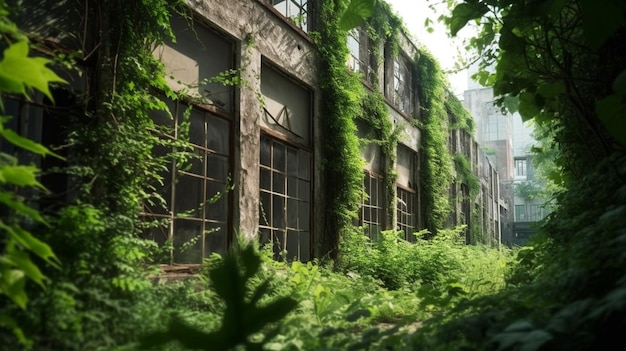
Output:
x=507 y=141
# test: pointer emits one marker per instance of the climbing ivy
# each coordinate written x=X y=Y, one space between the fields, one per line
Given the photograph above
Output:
x=376 y=114
x=437 y=170
x=341 y=93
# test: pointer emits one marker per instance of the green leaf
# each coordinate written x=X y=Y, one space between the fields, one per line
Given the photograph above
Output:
x=19 y=175
x=9 y=323
x=29 y=242
x=12 y=283
x=21 y=261
x=25 y=143
x=8 y=199
x=619 y=84
x=601 y=19
x=528 y=108
x=611 y=111
x=271 y=313
x=18 y=71
x=463 y=13
x=356 y=13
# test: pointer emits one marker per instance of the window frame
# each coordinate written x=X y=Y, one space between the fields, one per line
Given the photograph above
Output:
x=368 y=208
x=172 y=219
x=267 y=228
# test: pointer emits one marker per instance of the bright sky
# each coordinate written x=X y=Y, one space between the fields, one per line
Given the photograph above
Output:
x=413 y=14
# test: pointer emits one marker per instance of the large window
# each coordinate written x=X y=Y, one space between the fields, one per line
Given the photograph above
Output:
x=295 y=10
x=190 y=213
x=372 y=216
x=285 y=206
x=402 y=89
x=362 y=59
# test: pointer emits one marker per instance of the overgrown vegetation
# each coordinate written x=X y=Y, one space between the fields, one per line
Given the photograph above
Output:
x=437 y=166
x=564 y=292
x=341 y=95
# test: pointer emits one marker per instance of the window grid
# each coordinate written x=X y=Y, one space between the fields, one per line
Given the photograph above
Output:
x=406 y=213
x=402 y=90
x=372 y=216
x=361 y=59
x=194 y=215
x=520 y=167
x=285 y=203
x=295 y=10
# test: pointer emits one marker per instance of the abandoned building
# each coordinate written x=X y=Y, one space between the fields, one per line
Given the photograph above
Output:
x=258 y=169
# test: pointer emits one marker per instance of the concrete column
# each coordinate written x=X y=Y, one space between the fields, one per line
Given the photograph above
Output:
x=247 y=140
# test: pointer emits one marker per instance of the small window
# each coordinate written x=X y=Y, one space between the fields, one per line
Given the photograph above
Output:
x=520 y=213
x=520 y=167
x=372 y=215
x=295 y=10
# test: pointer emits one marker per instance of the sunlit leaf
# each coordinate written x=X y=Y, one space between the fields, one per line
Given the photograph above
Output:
x=12 y=283
x=19 y=176
x=7 y=199
x=21 y=260
x=28 y=241
x=463 y=13
x=25 y=143
x=357 y=12
x=18 y=71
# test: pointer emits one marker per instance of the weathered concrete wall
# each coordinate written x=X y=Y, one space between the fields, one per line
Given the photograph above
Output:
x=262 y=36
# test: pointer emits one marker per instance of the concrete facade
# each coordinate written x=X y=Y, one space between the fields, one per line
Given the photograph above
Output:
x=258 y=172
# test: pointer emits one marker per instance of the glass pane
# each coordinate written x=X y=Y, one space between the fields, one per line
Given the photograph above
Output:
x=292 y=161
x=265 y=179
x=187 y=241
x=160 y=201
x=189 y=196
x=217 y=167
x=197 y=131
x=305 y=165
x=304 y=215
x=278 y=212
x=278 y=183
x=265 y=152
x=214 y=239
x=155 y=230
x=292 y=213
x=304 y=190
x=217 y=201
x=304 y=239
x=264 y=209
x=218 y=135
x=264 y=236
x=195 y=163
x=279 y=157
x=162 y=118
x=292 y=246
x=278 y=237
x=292 y=187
